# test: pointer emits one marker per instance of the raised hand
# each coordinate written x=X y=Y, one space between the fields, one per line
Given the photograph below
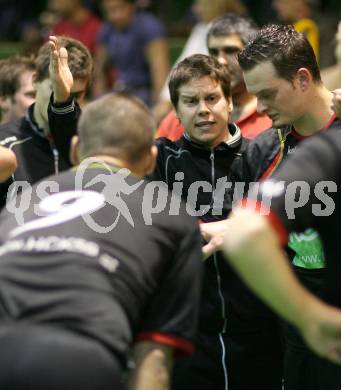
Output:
x=60 y=74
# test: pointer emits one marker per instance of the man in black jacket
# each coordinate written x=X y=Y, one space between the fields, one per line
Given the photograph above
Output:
x=29 y=137
x=198 y=165
x=281 y=70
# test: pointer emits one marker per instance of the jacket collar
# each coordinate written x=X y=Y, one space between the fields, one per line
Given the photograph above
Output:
x=33 y=124
x=231 y=143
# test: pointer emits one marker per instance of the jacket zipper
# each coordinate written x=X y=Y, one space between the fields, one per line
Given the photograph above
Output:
x=55 y=159
x=55 y=153
x=216 y=266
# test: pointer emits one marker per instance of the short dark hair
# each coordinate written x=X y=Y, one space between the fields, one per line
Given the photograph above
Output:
x=287 y=49
x=79 y=59
x=119 y=125
x=231 y=23
x=196 y=67
x=10 y=71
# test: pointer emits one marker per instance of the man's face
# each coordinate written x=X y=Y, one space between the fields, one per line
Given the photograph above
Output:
x=288 y=10
x=207 y=10
x=278 y=98
x=44 y=90
x=63 y=7
x=118 y=12
x=226 y=49
x=204 y=111
x=24 y=96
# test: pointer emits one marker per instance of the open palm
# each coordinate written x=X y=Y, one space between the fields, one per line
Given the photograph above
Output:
x=60 y=74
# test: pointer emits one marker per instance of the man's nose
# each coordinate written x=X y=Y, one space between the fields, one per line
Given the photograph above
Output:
x=202 y=107
x=222 y=58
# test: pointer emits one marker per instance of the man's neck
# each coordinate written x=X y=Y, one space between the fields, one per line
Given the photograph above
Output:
x=6 y=117
x=318 y=114
x=135 y=169
x=40 y=120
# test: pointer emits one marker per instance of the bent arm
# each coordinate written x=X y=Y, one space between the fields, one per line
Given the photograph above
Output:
x=255 y=252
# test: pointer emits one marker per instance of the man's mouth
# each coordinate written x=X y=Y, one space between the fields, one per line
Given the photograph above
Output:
x=204 y=125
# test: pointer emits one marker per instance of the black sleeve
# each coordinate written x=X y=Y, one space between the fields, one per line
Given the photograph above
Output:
x=172 y=316
x=303 y=192
x=63 y=120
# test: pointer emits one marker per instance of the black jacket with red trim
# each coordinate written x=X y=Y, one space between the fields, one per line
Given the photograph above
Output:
x=261 y=156
x=266 y=152
x=261 y=159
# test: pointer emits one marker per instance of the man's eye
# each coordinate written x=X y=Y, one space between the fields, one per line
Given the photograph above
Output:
x=231 y=50
x=213 y=52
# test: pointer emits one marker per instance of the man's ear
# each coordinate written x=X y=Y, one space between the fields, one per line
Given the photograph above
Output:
x=74 y=151
x=5 y=104
x=151 y=160
x=303 y=79
x=34 y=77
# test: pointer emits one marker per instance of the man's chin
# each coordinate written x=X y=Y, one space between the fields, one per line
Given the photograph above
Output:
x=278 y=123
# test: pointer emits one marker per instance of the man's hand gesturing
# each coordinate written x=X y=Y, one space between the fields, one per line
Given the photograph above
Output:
x=60 y=74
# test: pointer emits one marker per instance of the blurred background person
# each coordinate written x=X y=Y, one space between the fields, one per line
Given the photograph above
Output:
x=75 y=21
x=16 y=15
x=17 y=91
x=133 y=48
x=204 y=11
x=331 y=76
x=29 y=137
x=299 y=13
